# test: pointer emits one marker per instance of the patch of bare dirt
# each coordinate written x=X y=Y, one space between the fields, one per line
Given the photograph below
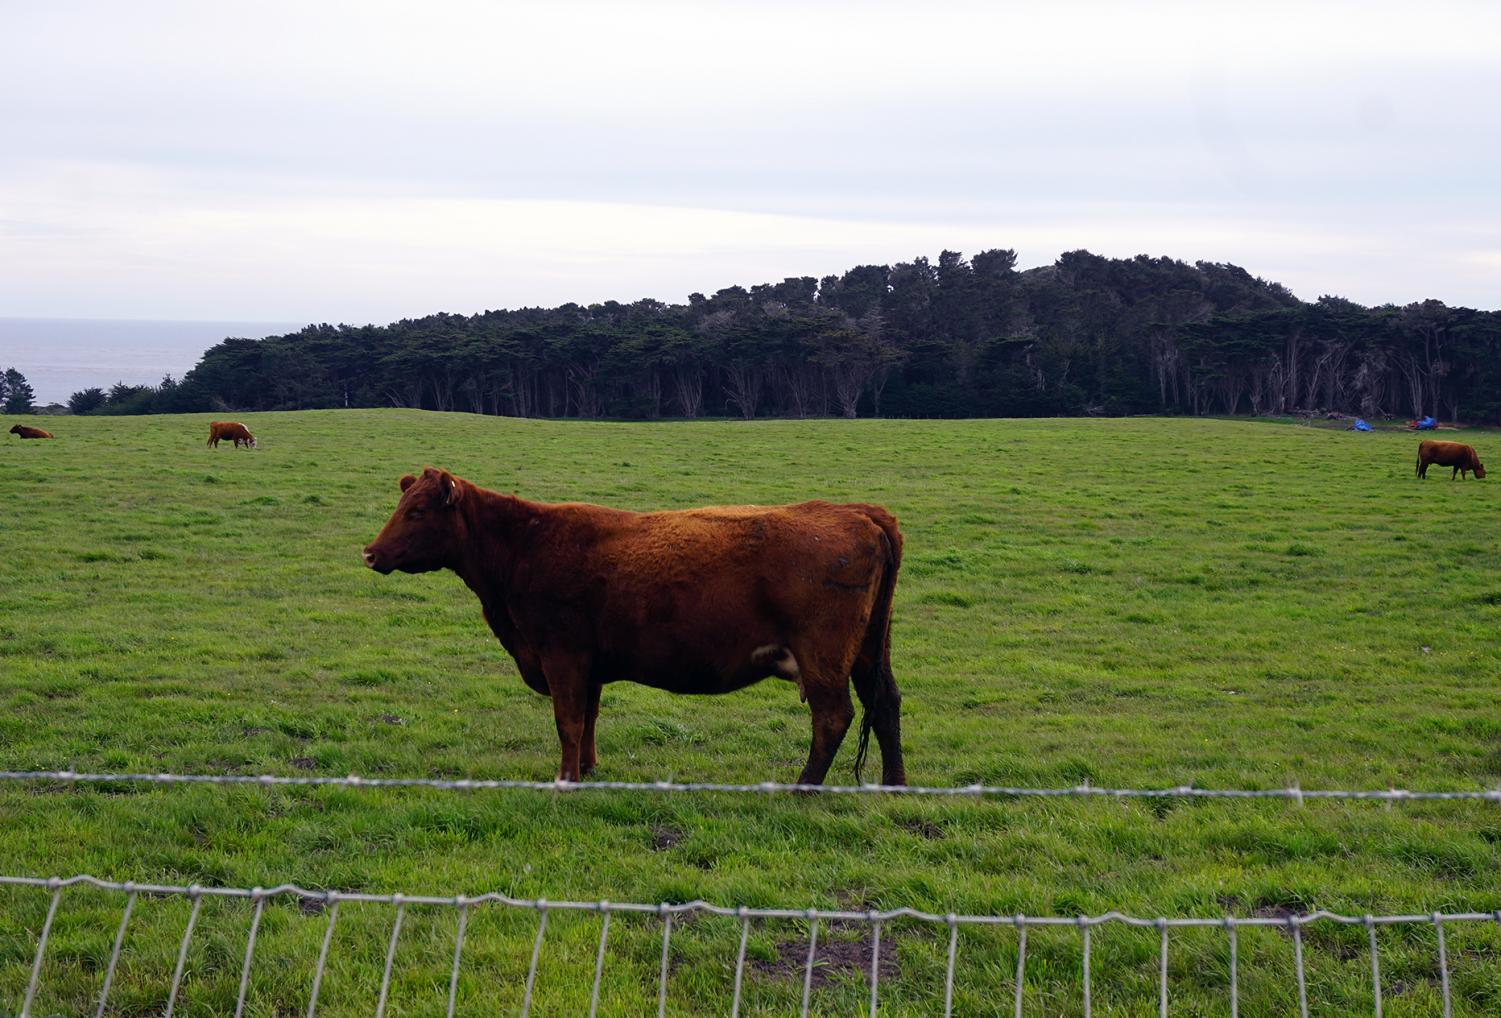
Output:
x=839 y=956
x=924 y=829
x=1273 y=912
x=664 y=837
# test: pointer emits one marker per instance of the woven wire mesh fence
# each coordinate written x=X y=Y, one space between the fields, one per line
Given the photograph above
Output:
x=288 y=950
x=188 y=950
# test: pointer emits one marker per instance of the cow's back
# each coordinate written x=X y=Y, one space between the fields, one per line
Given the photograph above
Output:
x=1446 y=454
x=778 y=544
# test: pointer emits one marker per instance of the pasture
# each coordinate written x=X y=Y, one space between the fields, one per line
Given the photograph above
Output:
x=1133 y=603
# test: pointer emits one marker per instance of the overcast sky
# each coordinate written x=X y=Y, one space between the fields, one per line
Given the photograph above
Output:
x=366 y=161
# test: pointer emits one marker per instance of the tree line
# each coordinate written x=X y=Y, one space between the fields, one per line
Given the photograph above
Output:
x=957 y=337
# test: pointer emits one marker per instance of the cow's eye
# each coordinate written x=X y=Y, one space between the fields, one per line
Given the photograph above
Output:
x=414 y=514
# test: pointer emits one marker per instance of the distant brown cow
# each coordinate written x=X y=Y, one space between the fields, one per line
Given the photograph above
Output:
x=1448 y=454
x=692 y=601
x=227 y=430
x=25 y=432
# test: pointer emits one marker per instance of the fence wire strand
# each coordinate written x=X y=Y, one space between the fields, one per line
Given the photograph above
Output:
x=662 y=974
x=599 y=960
x=1021 y=960
x=670 y=912
x=458 y=951
x=531 y=972
x=1234 y=968
x=328 y=936
x=1297 y=931
x=114 y=955
x=195 y=894
x=808 y=972
x=41 y=950
x=1162 y=971
x=740 y=962
x=1084 y=967
x=948 y=972
x=255 y=924
x=1292 y=794
x=1443 y=963
x=385 y=976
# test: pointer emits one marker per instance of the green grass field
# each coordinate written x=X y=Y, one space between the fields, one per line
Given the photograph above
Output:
x=1126 y=602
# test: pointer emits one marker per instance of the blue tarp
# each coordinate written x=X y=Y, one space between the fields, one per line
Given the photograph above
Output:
x=1427 y=424
x=1361 y=425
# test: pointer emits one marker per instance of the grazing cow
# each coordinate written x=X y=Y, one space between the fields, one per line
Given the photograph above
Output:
x=691 y=601
x=26 y=432
x=226 y=430
x=1448 y=454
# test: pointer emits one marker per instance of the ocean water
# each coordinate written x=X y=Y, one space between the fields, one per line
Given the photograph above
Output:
x=59 y=356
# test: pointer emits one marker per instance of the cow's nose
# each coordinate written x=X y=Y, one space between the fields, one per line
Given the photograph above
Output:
x=369 y=558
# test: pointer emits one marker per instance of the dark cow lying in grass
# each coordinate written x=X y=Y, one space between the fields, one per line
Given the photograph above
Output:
x=1448 y=454
x=695 y=601
x=27 y=432
x=226 y=430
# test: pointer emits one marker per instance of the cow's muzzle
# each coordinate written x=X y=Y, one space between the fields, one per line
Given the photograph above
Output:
x=373 y=561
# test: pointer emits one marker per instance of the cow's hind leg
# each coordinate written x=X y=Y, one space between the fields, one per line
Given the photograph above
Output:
x=882 y=703
x=588 y=758
x=832 y=713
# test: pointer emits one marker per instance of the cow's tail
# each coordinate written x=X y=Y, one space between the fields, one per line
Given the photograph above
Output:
x=883 y=701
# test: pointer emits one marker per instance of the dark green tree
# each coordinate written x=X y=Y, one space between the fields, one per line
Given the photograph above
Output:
x=86 y=401
x=18 y=393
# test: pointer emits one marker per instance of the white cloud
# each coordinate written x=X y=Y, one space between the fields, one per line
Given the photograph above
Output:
x=139 y=234
x=363 y=160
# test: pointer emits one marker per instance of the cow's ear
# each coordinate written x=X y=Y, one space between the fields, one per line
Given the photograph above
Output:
x=407 y=480
x=452 y=489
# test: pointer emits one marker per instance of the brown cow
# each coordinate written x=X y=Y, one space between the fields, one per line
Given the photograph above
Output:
x=692 y=601
x=226 y=430
x=1448 y=454
x=26 y=432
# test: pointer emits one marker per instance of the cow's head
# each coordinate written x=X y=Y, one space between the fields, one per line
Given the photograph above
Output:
x=15 y=429
x=427 y=529
x=1479 y=470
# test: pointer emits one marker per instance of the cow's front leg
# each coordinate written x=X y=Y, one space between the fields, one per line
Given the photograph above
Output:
x=588 y=758
x=567 y=680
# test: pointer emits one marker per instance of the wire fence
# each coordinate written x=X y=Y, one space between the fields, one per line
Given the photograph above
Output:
x=1292 y=794
x=671 y=916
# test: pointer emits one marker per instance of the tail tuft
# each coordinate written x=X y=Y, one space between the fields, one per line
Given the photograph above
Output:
x=867 y=722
